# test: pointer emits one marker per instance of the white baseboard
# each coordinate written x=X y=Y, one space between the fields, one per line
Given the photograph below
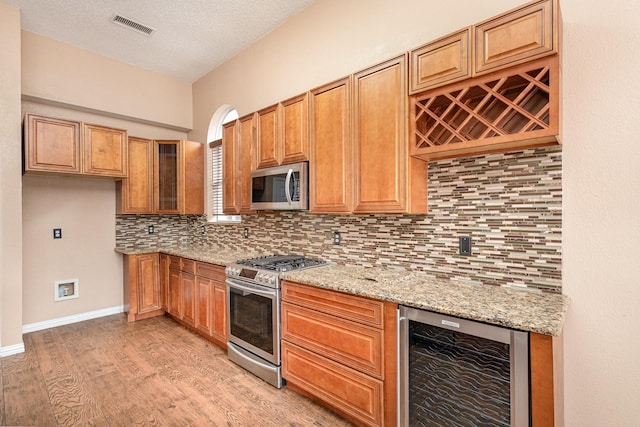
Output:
x=10 y=350
x=38 y=326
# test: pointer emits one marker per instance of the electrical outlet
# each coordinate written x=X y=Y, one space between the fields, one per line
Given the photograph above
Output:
x=57 y=233
x=203 y=229
x=150 y=229
x=337 y=238
x=245 y=233
x=465 y=245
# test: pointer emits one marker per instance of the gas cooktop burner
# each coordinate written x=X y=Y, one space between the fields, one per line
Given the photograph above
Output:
x=281 y=263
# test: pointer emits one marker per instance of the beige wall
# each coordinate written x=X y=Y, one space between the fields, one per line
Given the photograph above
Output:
x=62 y=73
x=10 y=182
x=601 y=178
x=85 y=210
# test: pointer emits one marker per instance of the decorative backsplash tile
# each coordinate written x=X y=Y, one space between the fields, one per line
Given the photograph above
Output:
x=510 y=204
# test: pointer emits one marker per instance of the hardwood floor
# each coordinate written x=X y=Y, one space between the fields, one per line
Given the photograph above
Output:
x=107 y=372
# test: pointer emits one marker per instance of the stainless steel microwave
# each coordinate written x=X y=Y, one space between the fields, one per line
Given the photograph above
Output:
x=283 y=187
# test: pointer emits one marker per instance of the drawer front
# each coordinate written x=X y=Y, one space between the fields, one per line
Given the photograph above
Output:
x=189 y=265
x=211 y=271
x=175 y=262
x=350 y=307
x=357 y=346
x=355 y=395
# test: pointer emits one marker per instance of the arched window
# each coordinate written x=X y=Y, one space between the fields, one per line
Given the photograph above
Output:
x=224 y=114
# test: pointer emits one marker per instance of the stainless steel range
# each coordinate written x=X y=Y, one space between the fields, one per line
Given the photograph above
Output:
x=253 y=312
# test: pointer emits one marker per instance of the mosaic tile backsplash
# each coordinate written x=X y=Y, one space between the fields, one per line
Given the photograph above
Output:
x=510 y=204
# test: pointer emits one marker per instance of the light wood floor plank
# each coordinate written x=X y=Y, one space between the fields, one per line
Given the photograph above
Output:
x=148 y=373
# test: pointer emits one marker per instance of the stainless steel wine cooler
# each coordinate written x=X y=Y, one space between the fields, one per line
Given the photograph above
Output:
x=457 y=372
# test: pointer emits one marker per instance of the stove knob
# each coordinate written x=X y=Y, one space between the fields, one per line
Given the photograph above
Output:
x=272 y=280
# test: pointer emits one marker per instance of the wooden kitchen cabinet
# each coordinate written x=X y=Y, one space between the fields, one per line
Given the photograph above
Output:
x=104 y=151
x=52 y=145
x=164 y=279
x=331 y=153
x=283 y=132
x=523 y=34
x=134 y=194
x=142 y=294
x=188 y=298
x=213 y=299
x=238 y=139
x=387 y=180
x=178 y=177
x=442 y=61
x=174 y=292
x=340 y=349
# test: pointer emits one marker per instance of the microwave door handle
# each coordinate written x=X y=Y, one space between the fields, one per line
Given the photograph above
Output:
x=286 y=186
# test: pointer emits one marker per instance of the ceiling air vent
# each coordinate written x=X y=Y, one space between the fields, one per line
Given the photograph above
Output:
x=132 y=25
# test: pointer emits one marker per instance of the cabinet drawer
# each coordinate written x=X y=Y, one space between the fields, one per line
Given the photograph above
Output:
x=175 y=262
x=211 y=271
x=334 y=303
x=515 y=37
x=189 y=265
x=355 y=395
x=357 y=346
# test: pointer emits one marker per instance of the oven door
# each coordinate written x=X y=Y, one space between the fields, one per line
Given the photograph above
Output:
x=254 y=319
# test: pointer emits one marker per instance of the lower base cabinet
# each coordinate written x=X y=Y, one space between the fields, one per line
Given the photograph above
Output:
x=340 y=350
x=191 y=292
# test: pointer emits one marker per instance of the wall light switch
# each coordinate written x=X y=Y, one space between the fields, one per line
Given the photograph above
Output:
x=57 y=233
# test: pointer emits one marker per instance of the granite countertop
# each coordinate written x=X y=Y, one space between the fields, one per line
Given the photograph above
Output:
x=543 y=313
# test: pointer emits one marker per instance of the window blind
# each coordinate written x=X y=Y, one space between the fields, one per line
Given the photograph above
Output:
x=215 y=192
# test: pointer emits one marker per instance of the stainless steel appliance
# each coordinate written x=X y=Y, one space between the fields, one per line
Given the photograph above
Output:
x=459 y=372
x=280 y=188
x=253 y=312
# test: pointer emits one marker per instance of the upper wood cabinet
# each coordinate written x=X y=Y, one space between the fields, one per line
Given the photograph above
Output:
x=178 y=177
x=70 y=147
x=238 y=139
x=283 y=133
x=331 y=152
x=134 y=195
x=52 y=145
x=441 y=62
x=523 y=34
x=386 y=179
x=105 y=151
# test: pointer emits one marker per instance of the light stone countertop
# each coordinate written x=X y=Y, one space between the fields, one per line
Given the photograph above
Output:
x=543 y=313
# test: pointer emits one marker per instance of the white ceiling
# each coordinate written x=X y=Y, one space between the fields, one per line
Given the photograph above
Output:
x=191 y=37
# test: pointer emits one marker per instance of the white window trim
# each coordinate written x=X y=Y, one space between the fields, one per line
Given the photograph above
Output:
x=223 y=115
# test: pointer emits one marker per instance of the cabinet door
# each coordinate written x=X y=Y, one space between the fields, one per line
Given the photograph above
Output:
x=231 y=185
x=164 y=279
x=295 y=129
x=136 y=191
x=52 y=145
x=192 y=169
x=167 y=177
x=441 y=62
x=175 y=293
x=383 y=176
x=105 y=151
x=330 y=166
x=219 y=319
x=149 y=294
x=244 y=151
x=518 y=36
x=267 y=141
x=188 y=302
x=203 y=304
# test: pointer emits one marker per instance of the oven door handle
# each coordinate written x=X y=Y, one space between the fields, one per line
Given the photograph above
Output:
x=248 y=290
